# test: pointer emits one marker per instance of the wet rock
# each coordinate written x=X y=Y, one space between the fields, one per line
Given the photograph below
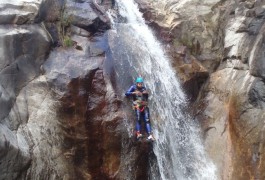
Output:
x=225 y=38
x=89 y=111
x=233 y=124
x=198 y=32
x=191 y=72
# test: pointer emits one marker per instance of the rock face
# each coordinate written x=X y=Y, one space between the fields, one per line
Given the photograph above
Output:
x=59 y=115
x=232 y=119
x=24 y=50
x=88 y=112
x=237 y=87
x=192 y=39
x=19 y=12
x=85 y=16
x=226 y=39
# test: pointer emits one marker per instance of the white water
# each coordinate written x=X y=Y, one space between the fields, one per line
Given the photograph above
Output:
x=178 y=148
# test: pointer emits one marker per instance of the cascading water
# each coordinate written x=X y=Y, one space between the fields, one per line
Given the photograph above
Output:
x=135 y=51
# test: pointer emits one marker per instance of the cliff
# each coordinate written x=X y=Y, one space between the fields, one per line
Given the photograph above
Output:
x=61 y=119
x=217 y=51
x=59 y=116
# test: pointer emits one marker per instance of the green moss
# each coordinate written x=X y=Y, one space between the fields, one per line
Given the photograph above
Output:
x=67 y=41
x=63 y=28
x=186 y=41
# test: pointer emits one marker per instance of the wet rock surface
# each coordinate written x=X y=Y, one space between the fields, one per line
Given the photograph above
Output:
x=60 y=117
x=225 y=39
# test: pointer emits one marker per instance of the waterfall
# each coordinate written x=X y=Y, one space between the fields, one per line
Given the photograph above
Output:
x=135 y=51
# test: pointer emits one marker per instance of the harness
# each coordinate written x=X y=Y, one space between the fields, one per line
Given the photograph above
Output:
x=139 y=104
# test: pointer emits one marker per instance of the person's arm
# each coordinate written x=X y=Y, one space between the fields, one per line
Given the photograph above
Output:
x=144 y=90
x=130 y=91
x=145 y=94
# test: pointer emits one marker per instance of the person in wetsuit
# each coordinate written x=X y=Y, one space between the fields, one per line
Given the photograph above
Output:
x=140 y=98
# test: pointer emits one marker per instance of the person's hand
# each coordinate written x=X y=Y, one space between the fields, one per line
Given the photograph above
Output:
x=138 y=93
x=145 y=92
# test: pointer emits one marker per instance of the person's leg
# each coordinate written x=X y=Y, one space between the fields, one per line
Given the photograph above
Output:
x=147 y=121
x=138 y=122
x=148 y=125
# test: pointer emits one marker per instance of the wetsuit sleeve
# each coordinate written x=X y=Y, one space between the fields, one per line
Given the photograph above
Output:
x=130 y=91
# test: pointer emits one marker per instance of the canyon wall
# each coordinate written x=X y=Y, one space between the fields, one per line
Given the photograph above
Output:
x=217 y=50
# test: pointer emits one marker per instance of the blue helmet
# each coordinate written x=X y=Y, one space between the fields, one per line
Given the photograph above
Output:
x=139 y=80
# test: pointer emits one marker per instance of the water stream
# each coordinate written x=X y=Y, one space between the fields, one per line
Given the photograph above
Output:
x=135 y=51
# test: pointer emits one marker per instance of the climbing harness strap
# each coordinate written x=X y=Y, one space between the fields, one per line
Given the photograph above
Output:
x=140 y=105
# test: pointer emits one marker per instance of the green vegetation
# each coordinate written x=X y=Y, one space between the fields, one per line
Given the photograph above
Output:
x=64 y=28
x=67 y=41
x=186 y=41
